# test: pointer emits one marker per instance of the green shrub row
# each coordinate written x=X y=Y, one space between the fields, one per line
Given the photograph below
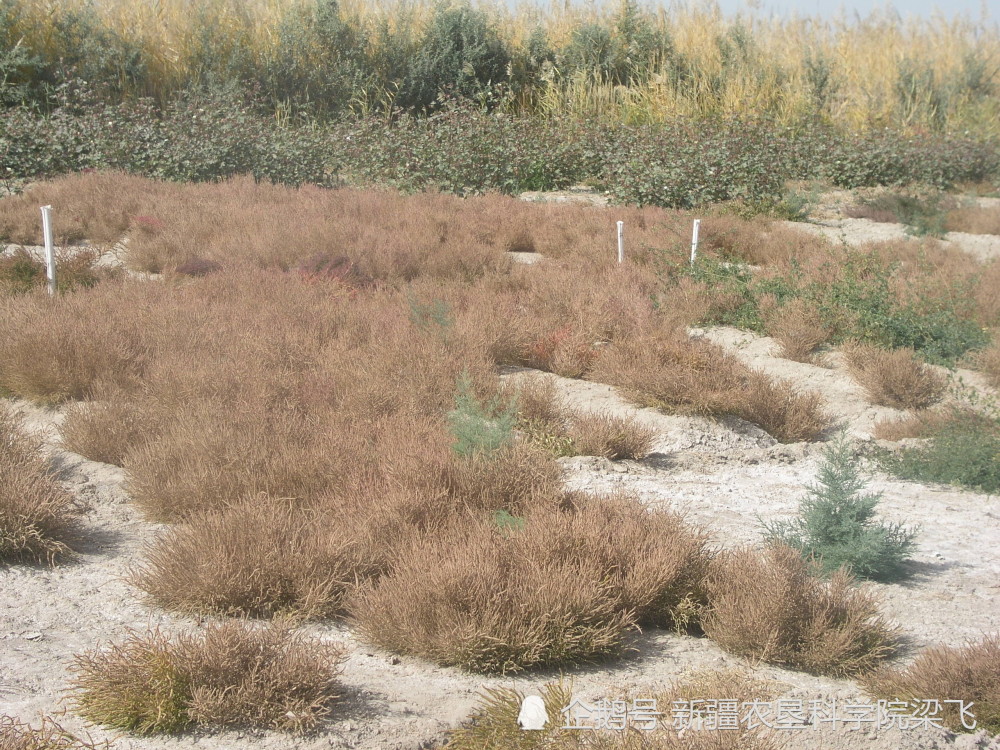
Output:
x=463 y=148
x=854 y=301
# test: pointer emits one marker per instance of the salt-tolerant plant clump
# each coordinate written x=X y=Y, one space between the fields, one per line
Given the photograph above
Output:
x=48 y=735
x=897 y=378
x=37 y=517
x=678 y=373
x=836 y=525
x=770 y=606
x=470 y=600
x=969 y=674
x=228 y=674
x=798 y=329
x=961 y=451
x=558 y=587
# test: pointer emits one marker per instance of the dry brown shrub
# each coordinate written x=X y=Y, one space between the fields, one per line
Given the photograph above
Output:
x=987 y=301
x=988 y=361
x=466 y=598
x=537 y=399
x=758 y=242
x=197 y=267
x=925 y=423
x=671 y=371
x=798 y=329
x=515 y=478
x=973 y=220
x=37 y=517
x=53 y=349
x=969 y=673
x=260 y=559
x=209 y=456
x=893 y=378
x=558 y=586
x=49 y=735
x=687 y=303
x=912 y=425
x=94 y=206
x=768 y=606
x=656 y=561
x=106 y=429
x=778 y=407
x=21 y=271
x=675 y=372
x=880 y=215
x=609 y=435
x=545 y=419
x=734 y=684
x=227 y=674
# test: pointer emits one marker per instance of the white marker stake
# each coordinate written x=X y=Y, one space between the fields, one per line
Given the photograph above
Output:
x=50 y=255
x=694 y=240
x=621 y=241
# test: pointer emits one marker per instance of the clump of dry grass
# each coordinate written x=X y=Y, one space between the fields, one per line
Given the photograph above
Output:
x=228 y=674
x=107 y=428
x=514 y=478
x=780 y=408
x=239 y=455
x=925 y=423
x=96 y=206
x=466 y=598
x=611 y=436
x=197 y=267
x=988 y=361
x=36 y=514
x=49 y=735
x=798 y=329
x=769 y=606
x=554 y=587
x=22 y=272
x=973 y=220
x=969 y=673
x=545 y=419
x=655 y=560
x=894 y=378
x=757 y=242
x=54 y=349
x=678 y=373
x=258 y=559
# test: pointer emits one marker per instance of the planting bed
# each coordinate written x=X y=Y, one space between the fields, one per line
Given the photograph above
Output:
x=724 y=474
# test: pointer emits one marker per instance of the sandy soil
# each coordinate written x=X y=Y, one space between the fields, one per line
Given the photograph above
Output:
x=726 y=475
x=828 y=219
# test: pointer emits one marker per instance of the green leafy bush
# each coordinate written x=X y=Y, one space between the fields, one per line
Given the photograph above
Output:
x=836 y=523
x=854 y=299
x=963 y=452
x=460 y=53
x=467 y=145
x=688 y=164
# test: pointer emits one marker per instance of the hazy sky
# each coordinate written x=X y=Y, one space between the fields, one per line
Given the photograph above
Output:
x=831 y=8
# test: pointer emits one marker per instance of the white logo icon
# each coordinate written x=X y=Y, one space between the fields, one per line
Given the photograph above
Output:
x=532 y=714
